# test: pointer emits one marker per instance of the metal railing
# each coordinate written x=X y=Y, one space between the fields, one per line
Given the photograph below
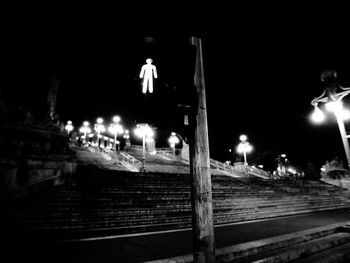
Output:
x=129 y=161
x=223 y=167
x=235 y=170
x=240 y=168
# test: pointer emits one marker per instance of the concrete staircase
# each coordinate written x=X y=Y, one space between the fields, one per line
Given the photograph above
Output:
x=111 y=202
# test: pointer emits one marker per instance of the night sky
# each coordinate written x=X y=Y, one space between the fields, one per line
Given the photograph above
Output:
x=261 y=73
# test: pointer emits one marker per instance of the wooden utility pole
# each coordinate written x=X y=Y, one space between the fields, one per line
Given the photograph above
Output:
x=202 y=203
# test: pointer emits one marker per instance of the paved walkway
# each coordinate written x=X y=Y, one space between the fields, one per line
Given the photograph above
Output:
x=165 y=245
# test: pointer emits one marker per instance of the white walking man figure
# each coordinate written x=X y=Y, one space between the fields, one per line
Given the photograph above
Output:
x=148 y=71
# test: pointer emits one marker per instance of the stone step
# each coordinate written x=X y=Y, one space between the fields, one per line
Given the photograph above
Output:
x=167 y=208
x=270 y=214
x=87 y=220
x=338 y=254
x=302 y=250
x=115 y=200
x=161 y=201
x=112 y=199
x=283 y=248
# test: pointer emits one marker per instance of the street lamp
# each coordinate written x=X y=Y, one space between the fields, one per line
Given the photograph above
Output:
x=85 y=129
x=244 y=147
x=99 y=127
x=281 y=164
x=126 y=136
x=173 y=140
x=144 y=131
x=69 y=127
x=332 y=98
x=116 y=128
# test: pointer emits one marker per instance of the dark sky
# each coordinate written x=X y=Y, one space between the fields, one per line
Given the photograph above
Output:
x=261 y=70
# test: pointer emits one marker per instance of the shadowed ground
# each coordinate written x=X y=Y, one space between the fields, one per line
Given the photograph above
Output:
x=164 y=245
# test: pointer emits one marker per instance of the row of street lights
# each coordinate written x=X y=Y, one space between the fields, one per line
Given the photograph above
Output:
x=115 y=128
x=142 y=130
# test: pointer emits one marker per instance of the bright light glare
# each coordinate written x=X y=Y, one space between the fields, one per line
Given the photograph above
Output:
x=243 y=137
x=100 y=128
x=334 y=106
x=317 y=116
x=85 y=129
x=345 y=114
x=149 y=132
x=116 y=129
x=173 y=139
x=244 y=147
x=144 y=130
x=126 y=134
x=69 y=127
x=116 y=119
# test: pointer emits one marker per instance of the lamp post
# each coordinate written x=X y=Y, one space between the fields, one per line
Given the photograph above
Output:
x=69 y=127
x=281 y=164
x=244 y=147
x=99 y=127
x=332 y=98
x=116 y=128
x=85 y=129
x=144 y=131
x=126 y=136
x=173 y=140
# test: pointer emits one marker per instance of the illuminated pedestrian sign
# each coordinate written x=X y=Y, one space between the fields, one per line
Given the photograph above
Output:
x=148 y=72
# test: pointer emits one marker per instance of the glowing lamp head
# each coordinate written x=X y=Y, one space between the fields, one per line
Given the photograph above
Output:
x=143 y=130
x=116 y=128
x=317 y=116
x=85 y=129
x=173 y=139
x=244 y=147
x=243 y=138
x=69 y=126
